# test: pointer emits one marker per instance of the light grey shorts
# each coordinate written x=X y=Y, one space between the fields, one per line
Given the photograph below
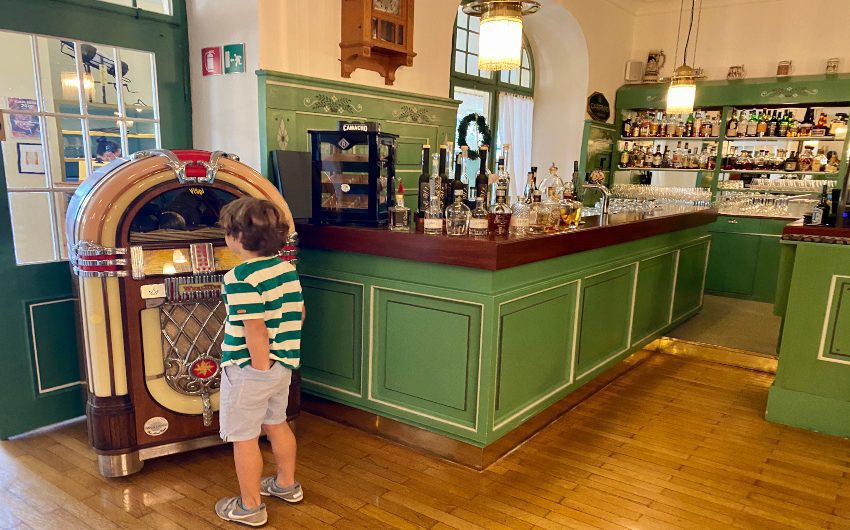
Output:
x=251 y=398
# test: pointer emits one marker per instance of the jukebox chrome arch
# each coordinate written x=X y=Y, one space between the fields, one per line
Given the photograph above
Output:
x=152 y=332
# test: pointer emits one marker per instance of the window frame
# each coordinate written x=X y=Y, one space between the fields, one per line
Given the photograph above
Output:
x=54 y=188
x=494 y=85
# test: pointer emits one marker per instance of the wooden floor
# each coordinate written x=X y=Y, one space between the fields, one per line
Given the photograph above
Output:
x=674 y=443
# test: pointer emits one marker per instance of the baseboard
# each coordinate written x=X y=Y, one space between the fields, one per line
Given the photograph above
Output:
x=808 y=411
x=713 y=353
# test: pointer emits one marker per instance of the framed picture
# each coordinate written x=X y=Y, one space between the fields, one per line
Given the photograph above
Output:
x=30 y=159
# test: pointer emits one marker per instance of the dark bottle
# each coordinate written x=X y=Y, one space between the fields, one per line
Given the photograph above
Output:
x=424 y=182
x=773 y=124
x=791 y=162
x=444 y=193
x=627 y=127
x=820 y=213
x=783 y=125
x=458 y=182
x=732 y=126
x=482 y=180
x=805 y=128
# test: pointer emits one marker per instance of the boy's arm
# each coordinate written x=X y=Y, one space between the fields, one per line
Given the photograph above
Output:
x=257 y=340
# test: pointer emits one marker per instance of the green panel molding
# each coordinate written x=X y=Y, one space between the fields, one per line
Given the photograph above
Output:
x=536 y=343
x=654 y=295
x=690 y=279
x=339 y=365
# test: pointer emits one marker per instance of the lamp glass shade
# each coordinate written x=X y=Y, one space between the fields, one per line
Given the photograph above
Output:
x=71 y=84
x=500 y=44
x=680 y=98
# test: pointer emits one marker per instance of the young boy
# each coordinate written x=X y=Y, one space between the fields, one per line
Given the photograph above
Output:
x=262 y=339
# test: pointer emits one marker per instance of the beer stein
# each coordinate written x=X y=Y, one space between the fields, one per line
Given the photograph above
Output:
x=783 y=68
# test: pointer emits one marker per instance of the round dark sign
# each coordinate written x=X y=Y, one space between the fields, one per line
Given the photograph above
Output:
x=598 y=107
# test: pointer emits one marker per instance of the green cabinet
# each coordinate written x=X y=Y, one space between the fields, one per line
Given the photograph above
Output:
x=744 y=259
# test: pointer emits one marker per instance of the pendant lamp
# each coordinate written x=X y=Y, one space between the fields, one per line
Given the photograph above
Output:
x=683 y=86
x=500 y=38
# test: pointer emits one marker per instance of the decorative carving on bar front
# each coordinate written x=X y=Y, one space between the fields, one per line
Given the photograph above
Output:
x=414 y=114
x=332 y=104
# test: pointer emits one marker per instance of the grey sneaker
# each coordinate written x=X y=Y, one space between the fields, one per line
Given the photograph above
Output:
x=230 y=509
x=293 y=494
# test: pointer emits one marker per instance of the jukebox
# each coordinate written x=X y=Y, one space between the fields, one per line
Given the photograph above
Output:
x=148 y=259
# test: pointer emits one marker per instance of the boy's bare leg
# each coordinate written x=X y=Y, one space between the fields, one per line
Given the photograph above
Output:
x=283 y=447
x=249 y=470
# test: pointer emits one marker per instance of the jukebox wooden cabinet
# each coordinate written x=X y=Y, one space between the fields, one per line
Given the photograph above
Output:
x=353 y=171
x=149 y=259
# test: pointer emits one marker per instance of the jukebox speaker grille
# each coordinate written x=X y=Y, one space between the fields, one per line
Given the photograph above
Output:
x=191 y=346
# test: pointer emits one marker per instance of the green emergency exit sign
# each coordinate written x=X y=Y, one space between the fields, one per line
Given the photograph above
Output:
x=234 y=58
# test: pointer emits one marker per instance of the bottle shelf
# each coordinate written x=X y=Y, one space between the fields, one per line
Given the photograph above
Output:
x=670 y=138
x=757 y=139
x=832 y=176
x=678 y=170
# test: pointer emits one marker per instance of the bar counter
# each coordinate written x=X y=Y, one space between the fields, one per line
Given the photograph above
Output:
x=812 y=385
x=495 y=253
x=466 y=347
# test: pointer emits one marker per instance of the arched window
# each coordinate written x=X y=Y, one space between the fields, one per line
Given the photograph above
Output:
x=505 y=98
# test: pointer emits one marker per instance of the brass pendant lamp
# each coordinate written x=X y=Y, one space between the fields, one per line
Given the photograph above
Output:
x=500 y=40
x=683 y=86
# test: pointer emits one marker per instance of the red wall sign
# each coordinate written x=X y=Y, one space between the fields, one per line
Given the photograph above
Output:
x=211 y=60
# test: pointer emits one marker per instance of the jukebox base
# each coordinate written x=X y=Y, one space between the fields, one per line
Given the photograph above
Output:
x=122 y=464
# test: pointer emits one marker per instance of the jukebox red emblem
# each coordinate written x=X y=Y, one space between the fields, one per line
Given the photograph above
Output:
x=204 y=368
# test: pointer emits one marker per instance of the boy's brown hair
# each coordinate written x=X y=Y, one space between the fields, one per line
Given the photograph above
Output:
x=256 y=223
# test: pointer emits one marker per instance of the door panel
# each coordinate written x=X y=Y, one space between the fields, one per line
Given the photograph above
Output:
x=733 y=263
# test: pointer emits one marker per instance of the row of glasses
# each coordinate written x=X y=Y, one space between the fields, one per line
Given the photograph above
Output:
x=661 y=195
x=754 y=204
x=789 y=185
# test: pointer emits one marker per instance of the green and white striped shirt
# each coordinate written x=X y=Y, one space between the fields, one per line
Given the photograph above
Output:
x=268 y=289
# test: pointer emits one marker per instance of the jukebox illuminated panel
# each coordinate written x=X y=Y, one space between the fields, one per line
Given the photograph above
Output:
x=150 y=259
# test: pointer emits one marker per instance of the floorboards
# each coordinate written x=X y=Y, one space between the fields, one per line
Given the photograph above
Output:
x=674 y=443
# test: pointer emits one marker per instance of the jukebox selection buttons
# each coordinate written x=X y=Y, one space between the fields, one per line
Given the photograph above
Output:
x=203 y=258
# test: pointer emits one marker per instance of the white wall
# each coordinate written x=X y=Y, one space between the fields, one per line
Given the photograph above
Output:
x=302 y=37
x=225 y=111
x=755 y=33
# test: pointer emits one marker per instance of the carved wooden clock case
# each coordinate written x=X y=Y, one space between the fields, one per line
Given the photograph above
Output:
x=377 y=35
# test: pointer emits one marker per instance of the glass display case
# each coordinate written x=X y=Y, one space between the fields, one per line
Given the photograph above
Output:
x=597 y=148
x=352 y=173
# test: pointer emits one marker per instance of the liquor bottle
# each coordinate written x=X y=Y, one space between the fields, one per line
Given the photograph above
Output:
x=663 y=128
x=644 y=126
x=571 y=186
x=677 y=156
x=519 y=218
x=773 y=124
x=732 y=126
x=654 y=125
x=529 y=188
x=752 y=125
x=537 y=215
x=458 y=215
x=627 y=127
x=399 y=213
x=804 y=161
x=819 y=161
x=821 y=210
x=680 y=128
x=433 y=223
x=689 y=125
x=444 y=187
x=499 y=219
x=625 y=155
x=656 y=158
x=761 y=127
x=424 y=182
x=553 y=186
x=805 y=128
x=459 y=182
x=715 y=127
x=482 y=180
x=793 y=126
x=821 y=128
x=712 y=159
x=665 y=158
x=791 y=162
x=782 y=129
x=833 y=164
x=478 y=219
x=697 y=126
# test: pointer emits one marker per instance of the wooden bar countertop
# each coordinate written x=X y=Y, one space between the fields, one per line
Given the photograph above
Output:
x=495 y=253
x=816 y=233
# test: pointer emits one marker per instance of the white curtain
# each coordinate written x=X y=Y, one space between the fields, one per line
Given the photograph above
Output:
x=515 y=121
